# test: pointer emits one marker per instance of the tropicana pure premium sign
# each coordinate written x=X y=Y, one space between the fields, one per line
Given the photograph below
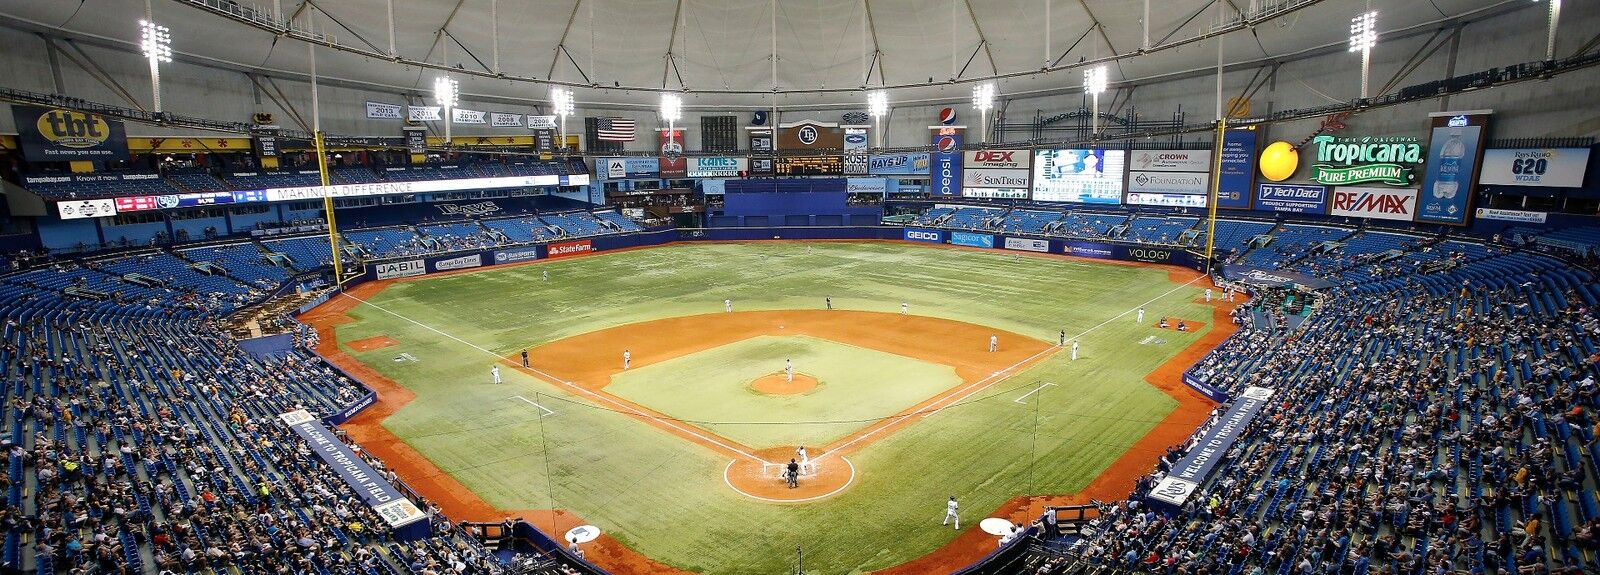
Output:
x=1388 y=160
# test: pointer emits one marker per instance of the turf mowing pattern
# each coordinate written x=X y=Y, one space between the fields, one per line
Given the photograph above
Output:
x=664 y=497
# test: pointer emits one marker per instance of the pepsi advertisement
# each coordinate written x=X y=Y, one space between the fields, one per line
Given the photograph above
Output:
x=1454 y=153
x=946 y=170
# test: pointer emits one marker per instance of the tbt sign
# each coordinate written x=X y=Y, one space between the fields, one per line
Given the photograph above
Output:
x=61 y=135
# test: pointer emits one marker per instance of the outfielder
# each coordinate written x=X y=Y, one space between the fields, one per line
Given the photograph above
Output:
x=1141 y=315
x=994 y=343
x=788 y=373
x=727 y=305
x=494 y=371
x=904 y=307
x=546 y=275
x=952 y=512
x=627 y=358
x=1074 y=350
x=829 y=301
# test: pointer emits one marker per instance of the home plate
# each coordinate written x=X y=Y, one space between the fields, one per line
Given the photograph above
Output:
x=996 y=526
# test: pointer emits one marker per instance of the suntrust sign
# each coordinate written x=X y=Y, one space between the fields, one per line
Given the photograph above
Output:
x=1384 y=160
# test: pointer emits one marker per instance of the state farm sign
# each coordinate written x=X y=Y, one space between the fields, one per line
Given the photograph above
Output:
x=1379 y=203
x=999 y=159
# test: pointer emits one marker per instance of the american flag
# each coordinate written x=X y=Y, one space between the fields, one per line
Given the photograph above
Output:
x=616 y=130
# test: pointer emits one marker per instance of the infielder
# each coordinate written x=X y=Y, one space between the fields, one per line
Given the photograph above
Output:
x=727 y=305
x=1208 y=295
x=805 y=460
x=994 y=343
x=829 y=301
x=1074 y=350
x=904 y=308
x=627 y=358
x=524 y=358
x=1141 y=315
x=952 y=511
x=494 y=371
x=788 y=373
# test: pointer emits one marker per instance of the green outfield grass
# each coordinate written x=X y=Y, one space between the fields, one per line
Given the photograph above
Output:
x=665 y=497
x=714 y=386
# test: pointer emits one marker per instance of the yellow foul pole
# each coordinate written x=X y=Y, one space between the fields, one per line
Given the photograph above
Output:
x=327 y=208
x=1216 y=190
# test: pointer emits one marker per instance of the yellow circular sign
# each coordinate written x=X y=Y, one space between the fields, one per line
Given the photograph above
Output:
x=71 y=129
x=1279 y=161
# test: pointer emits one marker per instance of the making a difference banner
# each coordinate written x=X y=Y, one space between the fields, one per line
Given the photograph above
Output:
x=1455 y=151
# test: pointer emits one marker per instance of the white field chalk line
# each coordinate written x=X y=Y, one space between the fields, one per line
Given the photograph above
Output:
x=565 y=383
x=547 y=411
x=1035 y=390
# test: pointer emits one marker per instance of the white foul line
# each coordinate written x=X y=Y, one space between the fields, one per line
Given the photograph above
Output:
x=568 y=384
x=547 y=411
x=1035 y=390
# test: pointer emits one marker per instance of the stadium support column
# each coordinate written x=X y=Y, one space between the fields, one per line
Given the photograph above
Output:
x=1216 y=189
x=327 y=208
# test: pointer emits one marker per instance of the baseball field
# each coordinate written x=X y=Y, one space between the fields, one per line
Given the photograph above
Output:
x=676 y=453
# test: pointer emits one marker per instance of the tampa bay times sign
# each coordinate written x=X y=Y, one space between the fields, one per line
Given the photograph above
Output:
x=1388 y=160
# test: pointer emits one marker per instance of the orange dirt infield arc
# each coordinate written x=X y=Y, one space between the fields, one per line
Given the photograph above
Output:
x=462 y=504
x=372 y=343
x=778 y=384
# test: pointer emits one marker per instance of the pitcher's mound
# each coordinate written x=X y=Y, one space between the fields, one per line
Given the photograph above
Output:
x=778 y=384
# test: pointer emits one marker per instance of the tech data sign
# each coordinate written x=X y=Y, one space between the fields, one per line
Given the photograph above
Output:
x=1004 y=174
x=1379 y=203
x=1366 y=159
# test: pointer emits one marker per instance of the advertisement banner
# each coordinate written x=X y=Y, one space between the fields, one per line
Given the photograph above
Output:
x=1088 y=250
x=458 y=263
x=564 y=249
x=904 y=164
x=930 y=236
x=971 y=239
x=946 y=159
x=1170 y=161
x=60 y=135
x=420 y=186
x=424 y=113
x=542 y=122
x=1349 y=160
x=671 y=163
x=997 y=160
x=1027 y=245
x=1090 y=176
x=1196 y=466
x=367 y=483
x=1166 y=200
x=1380 y=203
x=264 y=140
x=628 y=168
x=465 y=116
x=516 y=255
x=995 y=193
x=1150 y=255
x=1454 y=150
x=1511 y=215
x=503 y=120
x=1267 y=277
x=717 y=167
x=762 y=167
x=1550 y=167
x=855 y=139
x=78 y=209
x=855 y=164
x=1292 y=198
x=991 y=178
x=1238 y=169
x=382 y=111
x=401 y=269
x=873 y=186
x=1175 y=189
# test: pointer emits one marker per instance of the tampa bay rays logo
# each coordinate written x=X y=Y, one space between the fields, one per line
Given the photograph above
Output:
x=758 y=119
x=807 y=135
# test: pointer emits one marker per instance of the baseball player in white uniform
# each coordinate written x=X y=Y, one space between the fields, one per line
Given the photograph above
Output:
x=546 y=275
x=788 y=373
x=1208 y=295
x=495 y=372
x=805 y=459
x=994 y=343
x=952 y=512
x=627 y=359
x=1140 y=319
x=727 y=305
x=904 y=308
x=1074 y=350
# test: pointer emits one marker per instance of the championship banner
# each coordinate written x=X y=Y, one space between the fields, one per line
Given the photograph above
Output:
x=1550 y=167
x=946 y=159
x=382 y=111
x=61 y=135
x=1379 y=203
x=264 y=140
x=541 y=122
x=502 y=120
x=671 y=163
x=365 y=481
x=1454 y=150
x=423 y=113
x=464 y=116
x=1238 y=169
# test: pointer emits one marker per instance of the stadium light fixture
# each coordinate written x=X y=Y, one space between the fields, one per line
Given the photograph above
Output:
x=562 y=105
x=1094 y=83
x=1363 y=37
x=671 y=111
x=155 y=41
x=447 y=93
x=983 y=99
x=877 y=107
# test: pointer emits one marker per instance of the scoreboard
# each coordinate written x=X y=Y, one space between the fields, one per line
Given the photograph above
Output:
x=810 y=166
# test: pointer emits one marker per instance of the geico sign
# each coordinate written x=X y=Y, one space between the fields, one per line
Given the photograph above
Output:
x=920 y=235
x=1149 y=255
